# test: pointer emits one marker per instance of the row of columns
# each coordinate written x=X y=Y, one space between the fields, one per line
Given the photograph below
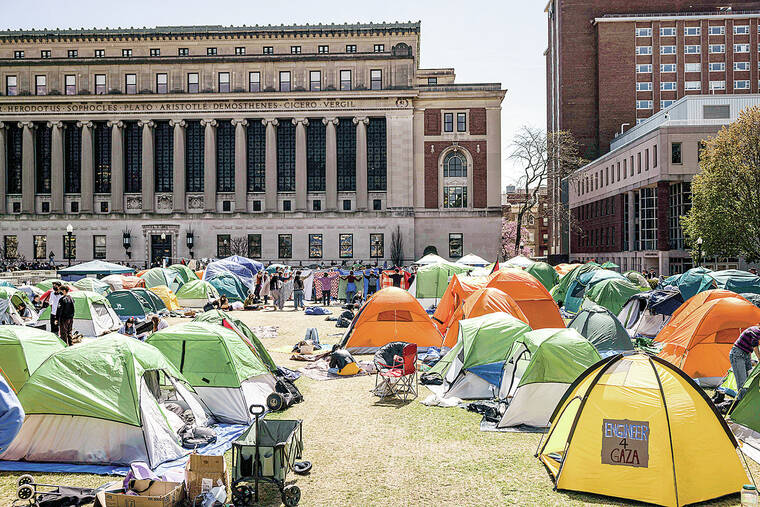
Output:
x=209 y=182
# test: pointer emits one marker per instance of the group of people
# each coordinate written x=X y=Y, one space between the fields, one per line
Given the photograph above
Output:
x=130 y=327
x=273 y=284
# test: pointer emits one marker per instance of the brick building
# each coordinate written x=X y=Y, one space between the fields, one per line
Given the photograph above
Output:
x=611 y=63
x=535 y=220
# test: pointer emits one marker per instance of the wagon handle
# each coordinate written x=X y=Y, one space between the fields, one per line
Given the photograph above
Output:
x=257 y=409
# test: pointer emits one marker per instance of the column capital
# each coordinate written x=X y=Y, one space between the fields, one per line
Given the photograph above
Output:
x=208 y=123
x=177 y=123
x=114 y=123
x=334 y=121
x=146 y=123
x=270 y=121
x=304 y=121
x=26 y=124
x=362 y=119
x=239 y=121
x=55 y=124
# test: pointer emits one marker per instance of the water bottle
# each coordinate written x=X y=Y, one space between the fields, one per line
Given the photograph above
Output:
x=749 y=496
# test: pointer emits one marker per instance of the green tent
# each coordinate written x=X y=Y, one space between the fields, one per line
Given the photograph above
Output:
x=46 y=285
x=433 y=279
x=540 y=367
x=22 y=350
x=584 y=282
x=610 y=265
x=155 y=303
x=92 y=285
x=637 y=279
x=745 y=416
x=16 y=296
x=226 y=373
x=737 y=281
x=185 y=274
x=219 y=316
x=472 y=369
x=97 y=402
x=229 y=284
x=93 y=315
x=156 y=277
x=612 y=293
x=559 y=292
x=544 y=273
x=196 y=293
x=602 y=329
x=128 y=304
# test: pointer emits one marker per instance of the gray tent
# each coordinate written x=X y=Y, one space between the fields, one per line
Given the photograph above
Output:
x=602 y=329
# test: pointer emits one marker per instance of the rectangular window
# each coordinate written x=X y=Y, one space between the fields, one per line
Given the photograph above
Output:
x=717 y=85
x=346 y=246
x=295 y=50
x=11 y=85
x=254 y=81
x=643 y=32
x=693 y=85
x=644 y=50
x=183 y=52
x=644 y=68
x=668 y=86
x=664 y=104
x=432 y=81
x=155 y=52
x=376 y=79
x=10 y=246
x=692 y=49
x=40 y=85
x=71 y=84
x=268 y=50
x=692 y=30
x=741 y=85
x=379 y=48
x=741 y=48
x=323 y=49
x=315 y=80
x=18 y=54
x=377 y=245
x=717 y=48
x=285 y=246
x=377 y=156
x=284 y=81
x=667 y=31
x=316 y=205
x=692 y=67
x=224 y=82
x=668 y=67
x=643 y=104
x=741 y=29
x=456 y=247
x=664 y=50
x=126 y=53
x=240 y=50
x=346 y=204
x=254 y=246
x=646 y=162
x=716 y=30
x=315 y=246
x=162 y=83
x=717 y=66
x=350 y=48
x=130 y=81
x=100 y=84
x=675 y=153
x=644 y=86
x=461 y=122
x=193 y=83
x=98 y=247
x=223 y=247
x=448 y=122
x=345 y=80
x=455 y=197
x=40 y=247
x=210 y=51
x=741 y=65
x=45 y=53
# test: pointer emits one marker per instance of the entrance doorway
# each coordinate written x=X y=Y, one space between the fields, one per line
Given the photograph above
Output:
x=160 y=249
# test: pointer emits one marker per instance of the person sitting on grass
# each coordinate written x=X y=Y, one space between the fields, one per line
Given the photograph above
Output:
x=342 y=362
x=128 y=328
x=224 y=303
x=159 y=323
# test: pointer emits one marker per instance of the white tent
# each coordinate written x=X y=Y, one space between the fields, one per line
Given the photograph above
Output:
x=431 y=259
x=520 y=261
x=473 y=260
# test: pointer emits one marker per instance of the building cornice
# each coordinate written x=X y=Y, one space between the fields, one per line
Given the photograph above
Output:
x=673 y=16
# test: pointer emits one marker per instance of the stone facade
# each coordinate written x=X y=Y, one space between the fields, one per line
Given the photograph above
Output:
x=206 y=134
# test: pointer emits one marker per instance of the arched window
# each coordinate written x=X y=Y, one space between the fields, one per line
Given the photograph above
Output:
x=454 y=166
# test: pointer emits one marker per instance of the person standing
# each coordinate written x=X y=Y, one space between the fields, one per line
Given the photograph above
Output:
x=274 y=289
x=326 y=289
x=282 y=279
x=350 y=287
x=53 y=298
x=298 y=291
x=66 y=315
x=372 y=281
x=741 y=357
x=396 y=277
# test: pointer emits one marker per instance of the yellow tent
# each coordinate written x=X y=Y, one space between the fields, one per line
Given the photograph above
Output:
x=637 y=427
x=167 y=296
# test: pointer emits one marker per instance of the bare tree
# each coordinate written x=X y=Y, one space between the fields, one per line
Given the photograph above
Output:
x=239 y=246
x=537 y=153
x=397 y=247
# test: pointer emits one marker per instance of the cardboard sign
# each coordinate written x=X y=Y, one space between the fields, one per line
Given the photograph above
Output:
x=625 y=442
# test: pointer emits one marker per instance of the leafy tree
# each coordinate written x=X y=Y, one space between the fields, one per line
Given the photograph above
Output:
x=725 y=210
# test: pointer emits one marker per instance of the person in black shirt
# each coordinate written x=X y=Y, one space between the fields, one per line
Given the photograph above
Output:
x=297 y=291
x=372 y=281
x=396 y=278
x=65 y=315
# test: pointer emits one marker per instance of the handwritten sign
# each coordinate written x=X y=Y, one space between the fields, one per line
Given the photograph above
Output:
x=625 y=443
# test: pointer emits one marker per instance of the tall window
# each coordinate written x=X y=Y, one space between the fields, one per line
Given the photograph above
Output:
x=40 y=247
x=675 y=153
x=102 y=141
x=377 y=245
x=71 y=84
x=456 y=248
x=100 y=84
x=455 y=196
x=345 y=80
x=72 y=161
x=448 y=122
x=315 y=246
x=315 y=156
x=40 y=85
x=680 y=204
x=346 y=246
x=223 y=245
x=286 y=157
x=194 y=156
x=225 y=157
x=43 y=158
x=98 y=247
x=285 y=246
x=346 y=151
x=376 y=155
x=256 y=156
x=162 y=83
x=10 y=246
x=254 y=246
x=284 y=81
x=461 y=122
x=224 y=82
x=376 y=79
x=455 y=166
x=132 y=157
x=11 y=85
x=254 y=81
x=193 y=82
x=130 y=81
x=15 y=153
x=163 y=154
x=315 y=80
x=648 y=218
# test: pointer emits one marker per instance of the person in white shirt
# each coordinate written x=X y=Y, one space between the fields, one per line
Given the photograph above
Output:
x=159 y=323
x=53 y=299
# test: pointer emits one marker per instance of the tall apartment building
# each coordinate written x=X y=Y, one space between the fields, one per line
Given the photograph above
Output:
x=613 y=63
x=313 y=143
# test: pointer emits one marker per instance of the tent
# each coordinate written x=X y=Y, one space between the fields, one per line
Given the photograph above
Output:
x=636 y=427
x=253 y=266
x=151 y=296
x=646 y=313
x=539 y=368
x=155 y=277
x=482 y=302
x=698 y=300
x=185 y=273
x=432 y=280
x=119 y=282
x=93 y=285
x=473 y=368
x=692 y=282
x=459 y=288
x=112 y=415
x=46 y=285
x=737 y=281
x=430 y=259
x=699 y=341
x=167 y=300
x=602 y=329
x=10 y=298
x=223 y=318
x=127 y=303
x=532 y=298
x=563 y=268
x=93 y=315
x=583 y=282
x=6 y=283
x=473 y=260
x=225 y=372
x=752 y=298
x=390 y=315
x=519 y=261
x=610 y=265
x=559 y=291
x=94 y=268
x=544 y=273
x=31 y=291
x=637 y=279
x=22 y=350
x=744 y=416
x=196 y=294
x=274 y=267
x=225 y=267
x=612 y=293
x=230 y=285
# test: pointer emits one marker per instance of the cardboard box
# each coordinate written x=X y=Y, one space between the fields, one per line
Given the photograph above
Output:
x=158 y=494
x=203 y=473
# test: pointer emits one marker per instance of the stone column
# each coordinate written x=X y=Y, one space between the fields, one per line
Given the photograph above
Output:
x=331 y=164
x=117 y=165
x=241 y=165
x=209 y=165
x=148 y=167
x=631 y=221
x=27 y=167
x=361 y=162
x=179 y=165
x=3 y=165
x=271 y=164
x=56 y=166
x=301 y=124
x=87 y=175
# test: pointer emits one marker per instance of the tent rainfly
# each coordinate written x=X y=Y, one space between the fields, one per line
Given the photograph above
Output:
x=473 y=260
x=430 y=259
x=22 y=350
x=127 y=303
x=602 y=329
x=196 y=294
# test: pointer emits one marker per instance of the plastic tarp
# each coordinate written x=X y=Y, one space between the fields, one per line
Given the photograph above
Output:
x=226 y=266
x=230 y=285
x=612 y=293
x=253 y=265
x=602 y=329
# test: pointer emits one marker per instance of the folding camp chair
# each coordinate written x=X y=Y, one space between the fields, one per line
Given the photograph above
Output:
x=397 y=375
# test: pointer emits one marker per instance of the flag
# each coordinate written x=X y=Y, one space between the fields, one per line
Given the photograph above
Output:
x=495 y=267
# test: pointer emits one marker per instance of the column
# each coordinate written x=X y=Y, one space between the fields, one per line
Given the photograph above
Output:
x=87 y=175
x=271 y=164
x=179 y=165
x=3 y=165
x=148 y=169
x=631 y=221
x=241 y=165
x=27 y=167
x=361 y=162
x=56 y=166
x=331 y=164
x=301 y=124
x=209 y=165
x=117 y=166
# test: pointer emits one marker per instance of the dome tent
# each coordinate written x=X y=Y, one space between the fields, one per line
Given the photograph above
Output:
x=119 y=282
x=612 y=293
x=473 y=260
x=155 y=277
x=602 y=329
x=532 y=297
x=692 y=282
x=128 y=304
x=22 y=350
x=10 y=298
x=196 y=294
x=93 y=315
x=161 y=297
x=432 y=280
x=112 y=415
x=544 y=273
x=230 y=285
x=185 y=274
x=583 y=283
x=459 y=288
x=646 y=313
x=559 y=291
x=223 y=318
x=744 y=416
x=93 y=285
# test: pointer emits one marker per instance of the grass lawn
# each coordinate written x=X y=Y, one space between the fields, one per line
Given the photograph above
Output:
x=370 y=454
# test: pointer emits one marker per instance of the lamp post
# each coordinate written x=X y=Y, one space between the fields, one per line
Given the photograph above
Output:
x=699 y=251
x=126 y=241
x=69 y=235
x=163 y=256
x=189 y=241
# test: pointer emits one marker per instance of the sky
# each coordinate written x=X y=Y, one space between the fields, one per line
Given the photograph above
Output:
x=485 y=41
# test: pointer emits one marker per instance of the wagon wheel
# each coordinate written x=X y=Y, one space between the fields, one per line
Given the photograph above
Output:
x=291 y=495
x=25 y=479
x=25 y=492
x=242 y=496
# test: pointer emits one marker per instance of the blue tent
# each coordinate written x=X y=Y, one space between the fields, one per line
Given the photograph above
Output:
x=252 y=265
x=225 y=266
x=737 y=281
x=97 y=268
x=230 y=285
x=692 y=282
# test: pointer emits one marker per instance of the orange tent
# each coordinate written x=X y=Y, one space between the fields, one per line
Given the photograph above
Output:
x=563 y=269
x=481 y=302
x=392 y=314
x=699 y=342
x=695 y=302
x=459 y=289
x=531 y=296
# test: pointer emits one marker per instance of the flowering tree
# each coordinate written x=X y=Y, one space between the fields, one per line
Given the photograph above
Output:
x=509 y=240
